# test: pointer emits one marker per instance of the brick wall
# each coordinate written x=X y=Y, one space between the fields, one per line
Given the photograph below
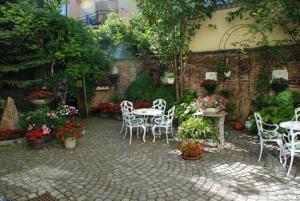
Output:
x=201 y=62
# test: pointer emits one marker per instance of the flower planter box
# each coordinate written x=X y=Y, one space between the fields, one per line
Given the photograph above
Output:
x=41 y=102
x=170 y=80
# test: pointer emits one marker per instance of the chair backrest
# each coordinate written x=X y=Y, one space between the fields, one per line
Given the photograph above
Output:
x=126 y=107
x=297 y=114
x=159 y=104
x=259 y=122
x=171 y=114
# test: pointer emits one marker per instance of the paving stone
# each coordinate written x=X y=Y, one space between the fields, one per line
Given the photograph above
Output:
x=105 y=167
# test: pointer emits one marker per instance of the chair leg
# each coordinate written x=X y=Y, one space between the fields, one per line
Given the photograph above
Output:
x=122 y=127
x=167 y=132
x=291 y=163
x=153 y=132
x=280 y=151
x=125 y=133
x=172 y=132
x=130 y=135
x=137 y=132
x=261 y=149
x=144 y=135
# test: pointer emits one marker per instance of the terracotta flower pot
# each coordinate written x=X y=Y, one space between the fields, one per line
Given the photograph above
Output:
x=190 y=157
x=238 y=125
x=36 y=144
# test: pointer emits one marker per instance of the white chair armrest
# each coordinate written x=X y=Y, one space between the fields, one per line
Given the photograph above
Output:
x=271 y=125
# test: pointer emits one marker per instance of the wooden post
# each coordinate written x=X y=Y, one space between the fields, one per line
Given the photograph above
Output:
x=85 y=96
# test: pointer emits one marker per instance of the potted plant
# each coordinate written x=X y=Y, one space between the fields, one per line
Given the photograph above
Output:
x=66 y=111
x=279 y=84
x=191 y=150
x=36 y=137
x=213 y=103
x=41 y=119
x=70 y=133
x=210 y=86
x=169 y=77
x=223 y=70
x=41 y=98
x=198 y=129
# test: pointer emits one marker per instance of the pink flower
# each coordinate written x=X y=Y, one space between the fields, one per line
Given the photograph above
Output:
x=45 y=129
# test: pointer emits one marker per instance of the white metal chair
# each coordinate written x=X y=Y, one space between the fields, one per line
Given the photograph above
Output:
x=297 y=114
x=159 y=104
x=166 y=122
x=292 y=146
x=125 y=105
x=268 y=135
x=132 y=122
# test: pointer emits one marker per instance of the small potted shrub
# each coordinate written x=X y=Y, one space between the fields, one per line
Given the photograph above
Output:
x=169 y=77
x=36 y=137
x=210 y=86
x=191 y=150
x=279 y=84
x=200 y=129
x=66 y=111
x=70 y=133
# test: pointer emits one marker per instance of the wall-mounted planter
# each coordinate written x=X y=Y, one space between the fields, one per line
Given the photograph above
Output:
x=170 y=80
x=227 y=74
x=211 y=76
x=280 y=74
x=102 y=88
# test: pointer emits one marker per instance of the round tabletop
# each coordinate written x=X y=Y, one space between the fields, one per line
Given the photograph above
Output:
x=290 y=125
x=147 y=112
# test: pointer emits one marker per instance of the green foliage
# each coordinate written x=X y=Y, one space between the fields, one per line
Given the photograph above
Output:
x=269 y=15
x=37 y=36
x=142 y=90
x=188 y=97
x=169 y=75
x=197 y=128
x=36 y=119
x=278 y=108
x=221 y=68
x=183 y=112
x=172 y=24
x=166 y=93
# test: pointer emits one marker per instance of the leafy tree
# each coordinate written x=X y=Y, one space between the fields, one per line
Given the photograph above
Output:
x=34 y=35
x=172 y=24
x=268 y=15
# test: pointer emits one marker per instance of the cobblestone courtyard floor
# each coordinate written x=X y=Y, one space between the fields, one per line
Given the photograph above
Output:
x=104 y=167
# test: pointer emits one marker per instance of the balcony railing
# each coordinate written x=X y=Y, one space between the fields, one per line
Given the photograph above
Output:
x=95 y=18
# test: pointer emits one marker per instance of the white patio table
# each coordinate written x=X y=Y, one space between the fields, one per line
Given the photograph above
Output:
x=146 y=113
x=290 y=124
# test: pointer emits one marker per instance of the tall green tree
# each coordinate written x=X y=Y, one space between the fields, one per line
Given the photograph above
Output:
x=172 y=24
x=34 y=35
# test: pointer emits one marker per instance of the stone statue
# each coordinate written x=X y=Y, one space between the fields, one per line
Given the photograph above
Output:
x=10 y=117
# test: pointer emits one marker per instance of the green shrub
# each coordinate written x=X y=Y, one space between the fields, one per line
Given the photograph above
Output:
x=197 y=128
x=183 y=112
x=166 y=93
x=141 y=89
